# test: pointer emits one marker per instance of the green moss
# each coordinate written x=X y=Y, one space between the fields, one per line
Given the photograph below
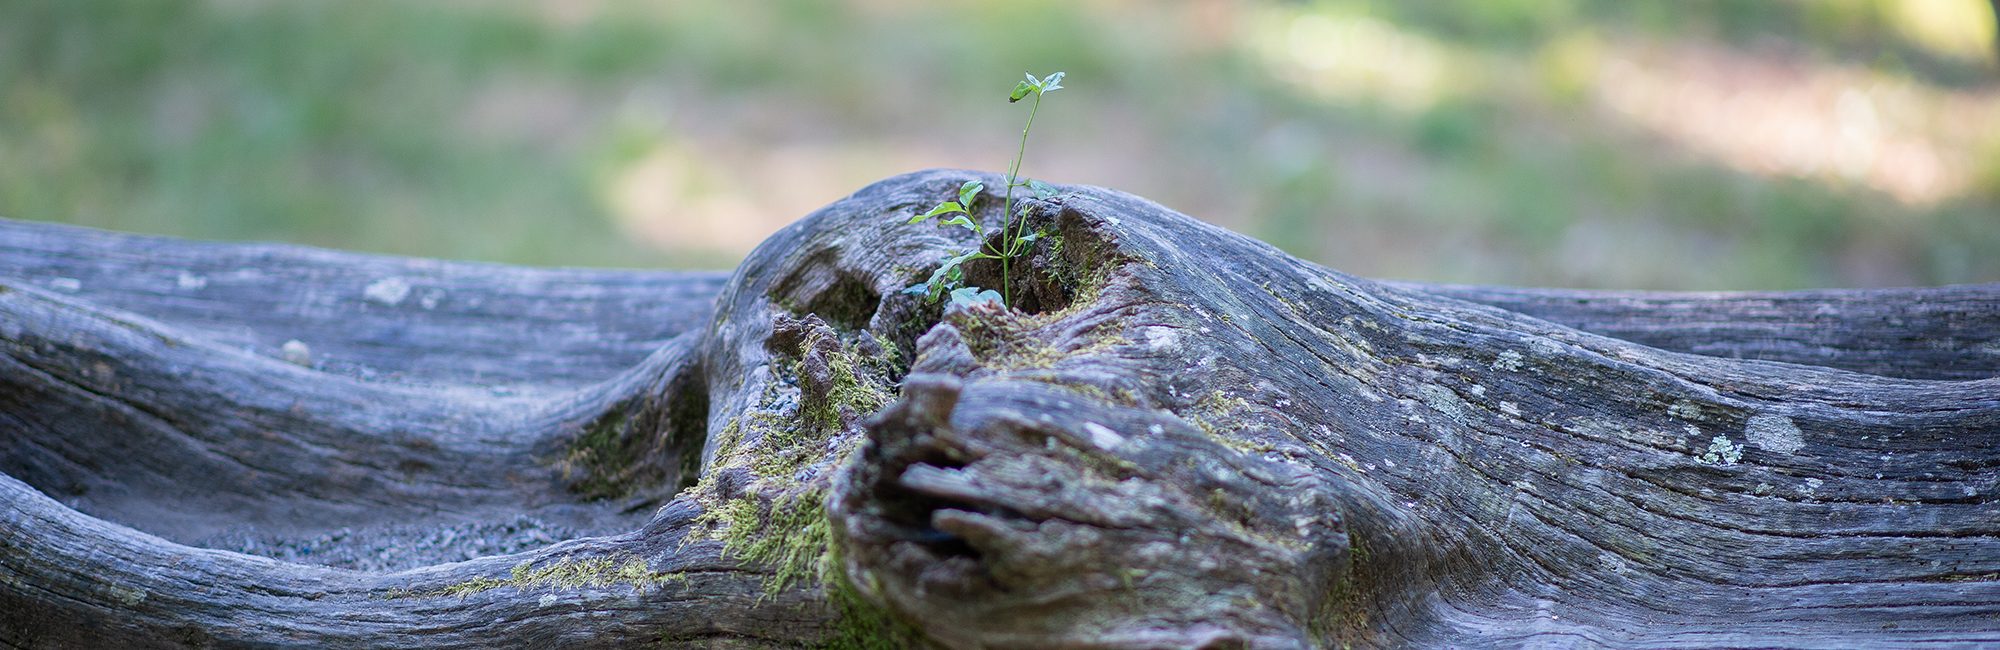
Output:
x=1215 y=410
x=1091 y=391
x=775 y=441
x=1221 y=416
x=779 y=521
x=862 y=625
x=790 y=537
x=1129 y=577
x=598 y=457
x=1343 y=617
x=857 y=384
x=728 y=440
x=1018 y=353
x=857 y=387
x=1968 y=577
x=128 y=596
x=1014 y=341
x=793 y=538
x=854 y=392
x=639 y=444
x=567 y=574
x=891 y=353
x=1294 y=307
x=1099 y=467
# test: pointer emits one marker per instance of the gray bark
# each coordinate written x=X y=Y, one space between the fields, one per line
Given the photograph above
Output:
x=1181 y=437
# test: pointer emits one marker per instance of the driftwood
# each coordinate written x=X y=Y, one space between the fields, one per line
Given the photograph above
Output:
x=1182 y=438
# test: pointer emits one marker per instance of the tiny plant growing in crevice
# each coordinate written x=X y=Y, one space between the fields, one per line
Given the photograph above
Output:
x=1014 y=239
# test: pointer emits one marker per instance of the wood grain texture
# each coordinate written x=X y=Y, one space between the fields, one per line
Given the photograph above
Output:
x=1183 y=438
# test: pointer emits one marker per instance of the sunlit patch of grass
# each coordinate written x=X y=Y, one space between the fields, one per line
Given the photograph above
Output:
x=1956 y=28
x=1522 y=141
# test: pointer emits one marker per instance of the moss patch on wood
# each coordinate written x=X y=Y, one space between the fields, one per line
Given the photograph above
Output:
x=598 y=458
x=771 y=512
x=566 y=574
x=790 y=536
x=644 y=444
x=1224 y=417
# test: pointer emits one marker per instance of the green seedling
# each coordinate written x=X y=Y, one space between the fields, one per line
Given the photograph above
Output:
x=1014 y=239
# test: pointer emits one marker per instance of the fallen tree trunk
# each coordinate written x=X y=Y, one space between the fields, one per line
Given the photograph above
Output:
x=1181 y=438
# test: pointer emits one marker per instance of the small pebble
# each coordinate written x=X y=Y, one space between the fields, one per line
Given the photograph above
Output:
x=296 y=351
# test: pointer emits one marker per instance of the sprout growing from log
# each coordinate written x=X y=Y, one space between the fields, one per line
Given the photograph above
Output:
x=949 y=278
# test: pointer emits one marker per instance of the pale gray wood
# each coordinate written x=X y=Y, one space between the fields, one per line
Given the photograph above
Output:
x=375 y=317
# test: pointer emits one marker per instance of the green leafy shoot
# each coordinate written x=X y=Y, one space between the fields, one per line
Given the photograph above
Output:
x=1014 y=239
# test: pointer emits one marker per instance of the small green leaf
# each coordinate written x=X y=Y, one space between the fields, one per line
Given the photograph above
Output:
x=938 y=275
x=1042 y=190
x=1030 y=237
x=948 y=274
x=918 y=289
x=940 y=281
x=960 y=220
x=947 y=277
x=1021 y=90
x=969 y=192
x=946 y=207
x=1052 y=84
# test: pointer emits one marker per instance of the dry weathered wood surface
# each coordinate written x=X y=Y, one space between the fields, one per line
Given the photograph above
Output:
x=1184 y=438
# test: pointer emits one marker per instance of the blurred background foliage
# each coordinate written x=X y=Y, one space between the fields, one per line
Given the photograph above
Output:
x=1680 y=144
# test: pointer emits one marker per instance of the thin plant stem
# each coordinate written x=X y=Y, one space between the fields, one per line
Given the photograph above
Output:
x=1007 y=235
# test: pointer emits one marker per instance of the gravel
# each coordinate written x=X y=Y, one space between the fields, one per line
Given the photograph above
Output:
x=401 y=547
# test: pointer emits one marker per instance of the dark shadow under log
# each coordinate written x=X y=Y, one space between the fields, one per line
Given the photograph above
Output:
x=1184 y=438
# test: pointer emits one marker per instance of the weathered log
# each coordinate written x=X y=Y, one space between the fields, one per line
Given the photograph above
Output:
x=1180 y=437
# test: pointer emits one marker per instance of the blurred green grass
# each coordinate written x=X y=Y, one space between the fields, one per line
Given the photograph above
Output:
x=678 y=134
